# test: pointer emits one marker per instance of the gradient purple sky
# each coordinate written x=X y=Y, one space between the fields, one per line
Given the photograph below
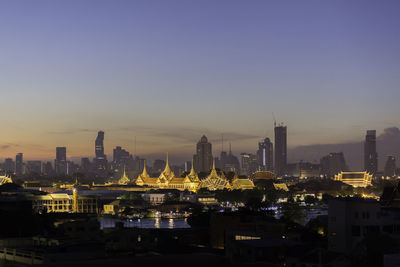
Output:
x=169 y=71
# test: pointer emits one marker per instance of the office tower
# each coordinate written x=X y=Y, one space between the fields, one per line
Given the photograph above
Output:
x=121 y=158
x=188 y=166
x=265 y=155
x=85 y=165
x=9 y=165
x=60 y=163
x=249 y=164
x=229 y=162
x=390 y=166
x=203 y=158
x=48 y=169
x=280 y=149
x=333 y=164
x=19 y=164
x=370 y=154
x=34 y=167
x=100 y=160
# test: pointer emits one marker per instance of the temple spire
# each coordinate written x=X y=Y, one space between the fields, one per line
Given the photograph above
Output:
x=144 y=173
x=192 y=170
x=167 y=168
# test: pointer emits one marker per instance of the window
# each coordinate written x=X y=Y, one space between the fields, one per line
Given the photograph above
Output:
x=243 y=237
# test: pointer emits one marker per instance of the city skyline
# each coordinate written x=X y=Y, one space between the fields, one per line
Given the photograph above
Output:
x=166 y=75
x=387 y=144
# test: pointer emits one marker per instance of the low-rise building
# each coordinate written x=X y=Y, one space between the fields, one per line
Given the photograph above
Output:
x=352 y=219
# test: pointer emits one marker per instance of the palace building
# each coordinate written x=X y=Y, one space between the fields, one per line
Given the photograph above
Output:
x=191 y=182
x=355 y=179
x=5 y=180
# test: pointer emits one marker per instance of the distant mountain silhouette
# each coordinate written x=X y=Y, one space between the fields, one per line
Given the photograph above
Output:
x=388 y=143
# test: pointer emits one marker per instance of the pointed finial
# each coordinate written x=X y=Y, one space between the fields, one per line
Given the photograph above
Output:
x=213 y=167
x=192 y=170
x=144 y=173
x=167 y=158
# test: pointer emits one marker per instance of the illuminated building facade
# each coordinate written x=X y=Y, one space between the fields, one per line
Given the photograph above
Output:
x=265 y=155
x=65 y=203
x=355 y=179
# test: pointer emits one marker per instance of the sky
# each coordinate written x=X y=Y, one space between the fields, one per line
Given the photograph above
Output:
x=167 y=72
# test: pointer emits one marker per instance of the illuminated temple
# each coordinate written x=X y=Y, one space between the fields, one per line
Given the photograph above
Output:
x=191 y=182
x=355 y=179
x=5 y=180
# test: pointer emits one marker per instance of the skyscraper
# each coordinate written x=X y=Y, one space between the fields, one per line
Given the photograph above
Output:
x=390 y=166
x=265 y=155
x=333 y=164
x=60 y=163
x=280 y=149
x=9 y=165
x=203 y=158
x=370 y=154
x=249 y=164
x=100 y=161
x=19 y=164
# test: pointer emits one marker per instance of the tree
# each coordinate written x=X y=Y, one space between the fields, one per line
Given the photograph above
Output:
x=292 y=212
x=309 y=200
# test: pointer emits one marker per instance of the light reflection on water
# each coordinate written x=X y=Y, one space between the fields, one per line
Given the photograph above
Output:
x=145 y=223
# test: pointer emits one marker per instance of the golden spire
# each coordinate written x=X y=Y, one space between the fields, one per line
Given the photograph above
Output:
x=167 y=168
x=213 y=170
x=144 y=173
x=192 y=170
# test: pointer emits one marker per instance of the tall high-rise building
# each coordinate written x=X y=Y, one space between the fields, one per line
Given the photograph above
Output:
x=390 y=166
x=265 y=155
x=48 y=169
x=121 y=158
x=370 y=154
x=9 y=165
x=280 y=149
x=60 y=163
x=85 y=165
x=19 y=164
x=249 y=164
x=100 y=161
x=203 y=158
x=229 y=162
x=333 y=164
x=34 y=167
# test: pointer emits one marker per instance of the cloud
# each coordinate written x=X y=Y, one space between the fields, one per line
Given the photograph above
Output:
x=72 y=131
x=388 y=143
